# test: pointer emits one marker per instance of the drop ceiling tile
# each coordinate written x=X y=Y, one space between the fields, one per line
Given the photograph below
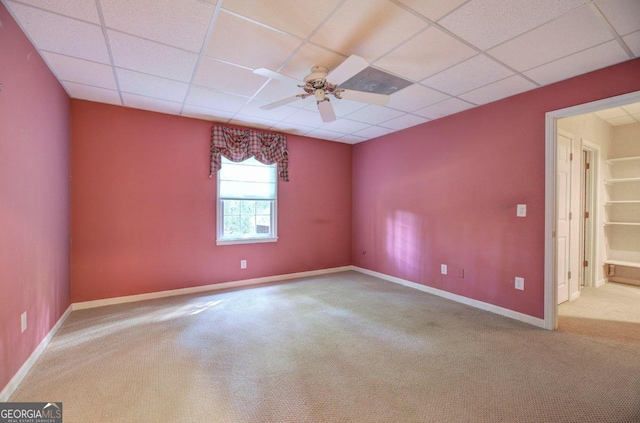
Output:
x=578 y=30
x=305 y=117
x=182 y=24
x=151 y=86
x=623 y=15
x=614 y=112
x=148 y=57
x=253 y=109
x=323 y=135
x=633 y=42
x=374 y=114
x=425 y=54
x=87 y=92
x=585 y=61
x=226 y=77
x=373 y=132
x=306 y=57
x=152 y=104
x=84 y=10
x=245 y=43
x=291 y=128
x=204 y=113
x=368 y=30
x=444 y=108
x=81 y=71
x=351 y=139
x=468 y=75
x=252 y=122
x=498 y=90
x=297 y=17
x=487 y=23
x=415 y=97
x=344 y=126
x=433 y=10
x=60 y=34
x=212 y=99
x=403 y=122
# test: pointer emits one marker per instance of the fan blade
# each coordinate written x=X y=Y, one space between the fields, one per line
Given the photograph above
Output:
x=275 y=75
x=281 y=102
x=326 y=111
x=364 y=97
x=347 y=69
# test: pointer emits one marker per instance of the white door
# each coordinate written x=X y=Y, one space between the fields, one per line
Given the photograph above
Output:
x=563 y=218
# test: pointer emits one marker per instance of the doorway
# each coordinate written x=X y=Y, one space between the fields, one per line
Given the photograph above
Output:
x=551 y=152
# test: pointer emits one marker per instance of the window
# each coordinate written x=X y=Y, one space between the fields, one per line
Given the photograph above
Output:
x=247 y=196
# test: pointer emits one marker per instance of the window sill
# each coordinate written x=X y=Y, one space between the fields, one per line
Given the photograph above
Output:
x=245 y=241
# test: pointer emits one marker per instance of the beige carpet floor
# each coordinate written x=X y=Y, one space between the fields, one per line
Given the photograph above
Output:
x=344 y=347
x=609 y=314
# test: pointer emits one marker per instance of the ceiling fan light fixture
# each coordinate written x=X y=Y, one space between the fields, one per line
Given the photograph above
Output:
x=319 y=94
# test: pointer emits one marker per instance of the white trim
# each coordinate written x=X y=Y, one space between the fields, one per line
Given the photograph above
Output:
x=204 y=288
x=457 y=298
x=8 y=390
x=550 y=291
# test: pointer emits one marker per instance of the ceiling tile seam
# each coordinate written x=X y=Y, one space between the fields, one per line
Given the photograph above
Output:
x=88 y=85
x=33 y=44
x=262 y=24
x=400 y=44
x=196 y=67
x=297 y=49
x=53 y=12
x=567 y=56
x=461 y=40
x=109 y=52
x=596 y=11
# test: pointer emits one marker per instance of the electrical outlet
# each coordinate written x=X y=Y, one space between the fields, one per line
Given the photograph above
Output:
x=23 y=321
x=460 y=273
x=443 y=269
x=521 y=210
x=520 y=283
x=243 y=264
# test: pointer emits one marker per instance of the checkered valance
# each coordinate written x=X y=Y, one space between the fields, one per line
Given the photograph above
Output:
x=240 y=144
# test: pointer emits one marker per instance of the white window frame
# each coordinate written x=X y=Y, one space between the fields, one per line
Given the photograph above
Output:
x=221 y=239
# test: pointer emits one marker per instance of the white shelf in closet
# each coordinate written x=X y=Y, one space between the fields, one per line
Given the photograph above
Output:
x=618 y=180
x=623 y=210
x=623 y=159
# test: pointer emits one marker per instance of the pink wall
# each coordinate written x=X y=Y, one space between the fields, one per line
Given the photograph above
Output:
x=446 y=192
x=143 y=207
x=34 y=198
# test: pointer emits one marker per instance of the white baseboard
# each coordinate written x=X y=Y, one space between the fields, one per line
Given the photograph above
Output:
x=8 y=390
x=534 y=321
x=574 y=296
x=204 y=288
x=600 y=282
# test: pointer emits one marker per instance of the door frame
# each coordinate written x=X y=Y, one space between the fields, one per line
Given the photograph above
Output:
x=550 y=285
x=592 y=243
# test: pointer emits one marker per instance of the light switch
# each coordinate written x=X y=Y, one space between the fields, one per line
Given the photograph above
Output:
x=521 y=210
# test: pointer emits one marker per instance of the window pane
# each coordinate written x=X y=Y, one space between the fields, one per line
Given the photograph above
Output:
x=248 y=207
x=247 y=193
x=263 y=207
x=232 y=226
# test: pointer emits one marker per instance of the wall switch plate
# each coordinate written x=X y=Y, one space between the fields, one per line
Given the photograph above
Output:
x=443 y=269
x=461 y=273
x=520 y=283
x=23 y=322
x=243 y=264
x=521 y=210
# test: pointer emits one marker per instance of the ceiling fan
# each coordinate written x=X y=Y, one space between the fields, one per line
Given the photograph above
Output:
x=321 y=84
